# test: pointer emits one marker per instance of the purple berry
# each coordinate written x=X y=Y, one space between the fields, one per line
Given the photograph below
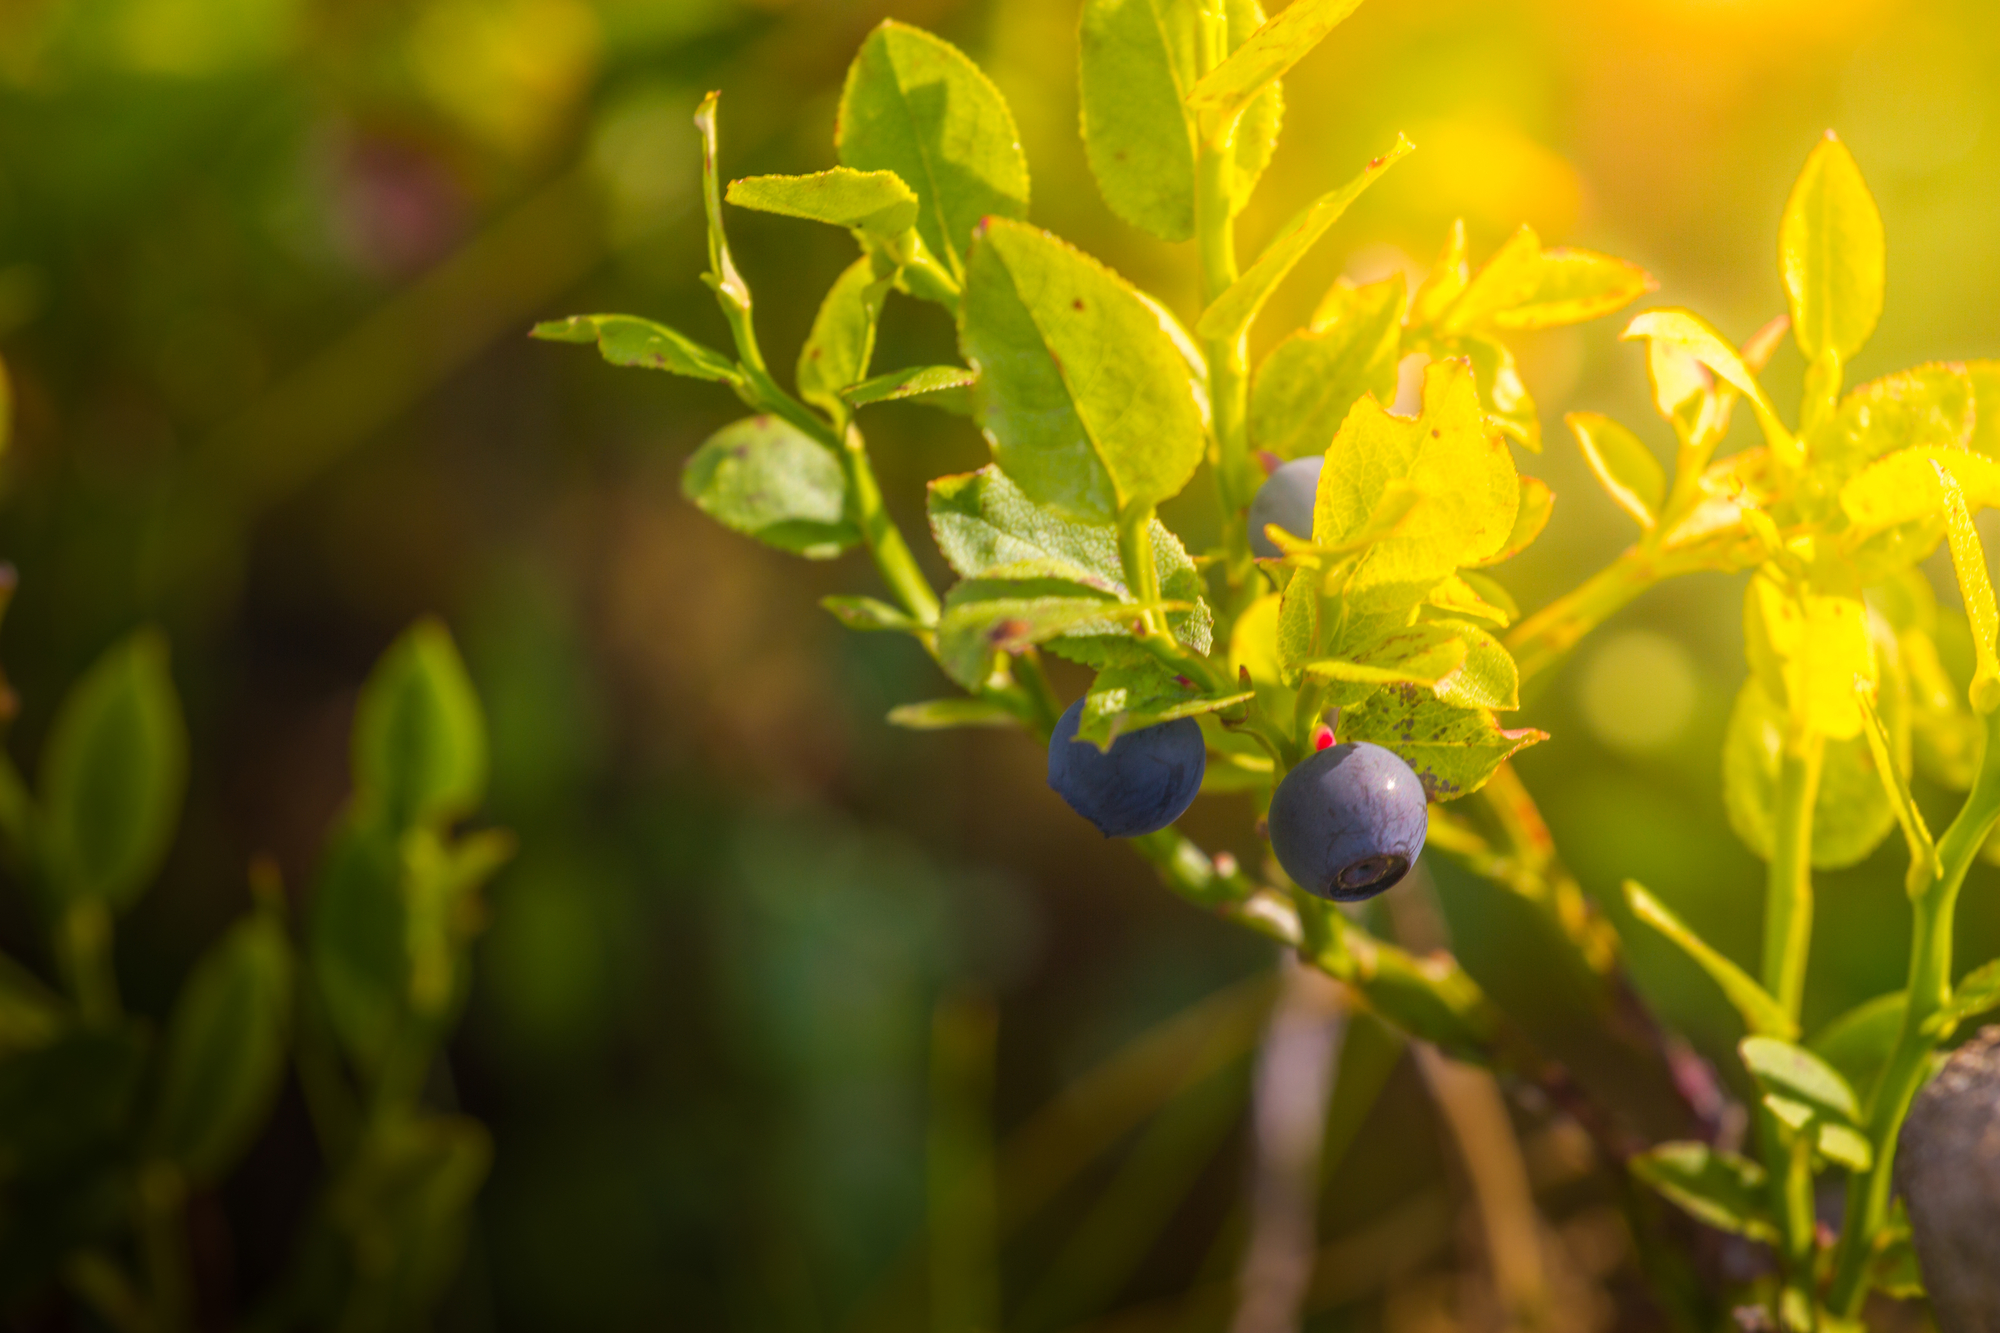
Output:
x=1286 y=499
x=1348 y=822
x=1142 y=783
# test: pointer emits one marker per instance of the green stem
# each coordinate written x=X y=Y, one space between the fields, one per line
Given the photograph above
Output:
x=161 y=1203
x=893 y=557
x=83 y=954
x=1788 y=896
x=1935 y=905
x=1540 y=641
x=1142 y=574
x=1236 y=474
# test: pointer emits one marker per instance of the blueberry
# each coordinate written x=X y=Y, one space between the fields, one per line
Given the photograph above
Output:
x=1286 y=499
x=1142 y=783
x=1348 y=822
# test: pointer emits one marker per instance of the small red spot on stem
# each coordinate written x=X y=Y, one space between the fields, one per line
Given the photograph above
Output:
x=1322 y=738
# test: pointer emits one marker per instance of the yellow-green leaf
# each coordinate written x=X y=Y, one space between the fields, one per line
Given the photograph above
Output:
x=915 y=105
x=1808 y=649
x=113 y=773
x=1881 y=746
x=1137 y=61
x=1968 y=560
x=1307 y=385
x=1451 y=455
x=1852 y=812
x=1761 y=1014
x=1623 y=465
x=1422 y=654
x=1228 y=89
x=1832 y=254
x=1788 y=1069
x=765 y=478
x=1531 y=515
x=1526 y=287
x=1452 y=750
x=419 y=745
x=1084 y=393
x=1720 y=1188
x=876 y=202
x=1695 y=336
x=1231 y=315
x=225 y=1050
x=627 y=340
x=842 y=342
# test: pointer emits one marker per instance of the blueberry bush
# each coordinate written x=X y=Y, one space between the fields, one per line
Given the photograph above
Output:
x=1347 y=643
x=110 y=1126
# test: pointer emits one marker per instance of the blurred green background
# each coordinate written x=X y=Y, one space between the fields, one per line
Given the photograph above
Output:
x=266 y=270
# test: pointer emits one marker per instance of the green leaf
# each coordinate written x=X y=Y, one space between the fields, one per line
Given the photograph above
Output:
x=1442 y=285
x=942 y=714
x=1851 y=813
x=985 y=616
x=1845 y=1146
x=356 y=941
x=1526 y=287
x=1083 y=391
x=419 y=735
x=1930 y=408
x=407 y=1198
x=842 y=341
x=1139 y=59
x=1227 y=91
x=1808 y=649
x=1831 y=251
x=875 y=202
x=1488 y=677
x=722 y=276
x=113 y=774
x=1463 y=471
x=1531 y=515
x=1761 y=1014
x=1623 y=465
x=627 y=340
x=1452 y=750
x=1720 y=1188
x=982 y=523
x=1858 y=1043
x=1977 y=992
x=939 y=386
x=1305 y=388
x=765 y=478
x=1790 y=1070
x=1690 y=333
x=1422 y=654
x=866 y=613
x=225 y=1050
x=1892 y=769
x=915 y=105
x=1968 y=561
x=1127 y=699
x=1232 y=313
x=1893 y=1270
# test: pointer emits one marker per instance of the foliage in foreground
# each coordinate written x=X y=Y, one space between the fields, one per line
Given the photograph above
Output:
x=1100 y=405
x=108 y=1126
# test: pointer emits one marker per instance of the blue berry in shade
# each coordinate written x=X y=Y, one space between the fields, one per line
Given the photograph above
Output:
x=1348 y=822
x=1286 y=499
x=1141 y=784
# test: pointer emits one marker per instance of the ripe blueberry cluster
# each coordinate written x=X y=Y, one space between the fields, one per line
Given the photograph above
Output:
x=1345 y=824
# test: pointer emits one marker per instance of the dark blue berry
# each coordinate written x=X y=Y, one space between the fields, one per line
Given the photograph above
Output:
x=1142 y=783
x=1286 y=499
x=1349 y=822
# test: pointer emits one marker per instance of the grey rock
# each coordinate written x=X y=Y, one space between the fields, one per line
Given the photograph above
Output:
x=1948 y=1172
